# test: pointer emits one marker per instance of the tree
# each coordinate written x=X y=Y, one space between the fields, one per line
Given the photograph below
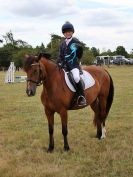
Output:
x=88 y=57
x=108 y=52
x=131 y=54
x=18 y=56
x=21 y=43
x=5 y=57
x=95 y=51
x=15 y=43
x=39 y=49
x=9 y=38
x=14 y=50
x=120 y=50
x=6 y=53
x=11 y=51
x=53 y=45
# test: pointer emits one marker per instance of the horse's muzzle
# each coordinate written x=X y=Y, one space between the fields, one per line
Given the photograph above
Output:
x=30 y=92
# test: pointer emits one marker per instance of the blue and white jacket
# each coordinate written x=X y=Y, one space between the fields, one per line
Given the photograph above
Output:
x=69 y=55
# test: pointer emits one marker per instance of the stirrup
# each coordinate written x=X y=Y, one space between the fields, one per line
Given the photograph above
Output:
x=81 y=102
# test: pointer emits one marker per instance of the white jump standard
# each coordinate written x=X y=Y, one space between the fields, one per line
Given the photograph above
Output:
x=10 y=73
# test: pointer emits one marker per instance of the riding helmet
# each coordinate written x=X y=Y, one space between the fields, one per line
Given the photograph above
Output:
x=67 y=27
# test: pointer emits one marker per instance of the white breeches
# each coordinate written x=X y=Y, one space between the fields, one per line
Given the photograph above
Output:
x=76 y=74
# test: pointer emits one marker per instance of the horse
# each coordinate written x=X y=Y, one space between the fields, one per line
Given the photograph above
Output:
x=57 y=97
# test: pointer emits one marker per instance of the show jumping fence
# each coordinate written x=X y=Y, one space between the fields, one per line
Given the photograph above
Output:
x=10 y=75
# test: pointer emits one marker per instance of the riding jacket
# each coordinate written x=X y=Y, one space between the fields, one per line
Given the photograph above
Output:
x=70 y=55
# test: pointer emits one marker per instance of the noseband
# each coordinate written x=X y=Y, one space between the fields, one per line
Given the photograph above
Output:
x=40 y=80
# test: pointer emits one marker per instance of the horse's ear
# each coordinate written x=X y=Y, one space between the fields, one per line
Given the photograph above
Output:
x=25 y=58
x=46 y=55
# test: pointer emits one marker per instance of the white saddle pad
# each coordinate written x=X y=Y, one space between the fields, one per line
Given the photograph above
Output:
x=87 y=78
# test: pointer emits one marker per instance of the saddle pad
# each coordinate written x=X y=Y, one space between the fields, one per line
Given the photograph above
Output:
x=87 y=78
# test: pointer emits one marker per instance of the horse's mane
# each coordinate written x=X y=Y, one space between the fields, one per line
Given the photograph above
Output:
x=46 y=55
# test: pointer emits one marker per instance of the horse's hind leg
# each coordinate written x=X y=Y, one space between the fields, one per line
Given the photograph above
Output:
x=99 y=108
x=63 y=115
x=103 y=113
x=50 y=117
x=97 y=121
x=103 y=132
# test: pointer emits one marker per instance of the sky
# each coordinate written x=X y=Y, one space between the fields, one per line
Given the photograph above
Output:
x=104 y=24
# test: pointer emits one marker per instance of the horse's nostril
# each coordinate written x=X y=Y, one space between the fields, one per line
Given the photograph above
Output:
x=30 y=93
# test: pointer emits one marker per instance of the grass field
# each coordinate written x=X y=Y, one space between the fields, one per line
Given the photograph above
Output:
x=24 y=135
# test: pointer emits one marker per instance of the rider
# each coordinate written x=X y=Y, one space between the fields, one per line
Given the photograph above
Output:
x=70 y=52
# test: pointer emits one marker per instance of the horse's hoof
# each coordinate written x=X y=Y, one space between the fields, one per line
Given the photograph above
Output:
x=103 y=137
x=98 y=137
x=66 y=148
x=50 y=149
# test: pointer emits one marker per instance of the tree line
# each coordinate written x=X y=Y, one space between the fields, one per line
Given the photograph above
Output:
x=13 y=50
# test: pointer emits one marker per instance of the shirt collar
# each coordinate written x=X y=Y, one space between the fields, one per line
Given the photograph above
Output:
x=68 y=40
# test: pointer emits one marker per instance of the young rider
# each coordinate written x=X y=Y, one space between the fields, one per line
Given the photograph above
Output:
x=70 y=52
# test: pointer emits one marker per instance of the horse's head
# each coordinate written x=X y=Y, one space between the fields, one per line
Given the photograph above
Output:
x=35 y=73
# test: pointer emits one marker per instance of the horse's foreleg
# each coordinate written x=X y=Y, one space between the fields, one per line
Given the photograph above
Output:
x=63 y=115
x=50 y=117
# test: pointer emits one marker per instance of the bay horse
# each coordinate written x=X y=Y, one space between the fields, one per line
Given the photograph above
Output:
x=56 y=96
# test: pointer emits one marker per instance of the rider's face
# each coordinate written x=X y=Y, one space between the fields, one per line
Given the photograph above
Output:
x=68 y=34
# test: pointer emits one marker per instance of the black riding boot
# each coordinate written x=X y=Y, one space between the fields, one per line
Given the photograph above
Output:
x=81 y=101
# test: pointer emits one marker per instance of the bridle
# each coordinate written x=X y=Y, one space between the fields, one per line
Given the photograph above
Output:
x=40 y=80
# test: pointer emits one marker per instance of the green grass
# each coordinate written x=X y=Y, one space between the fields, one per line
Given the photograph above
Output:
x=24 y=135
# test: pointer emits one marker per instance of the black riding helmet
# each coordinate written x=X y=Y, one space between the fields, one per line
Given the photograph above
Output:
x=67 y=27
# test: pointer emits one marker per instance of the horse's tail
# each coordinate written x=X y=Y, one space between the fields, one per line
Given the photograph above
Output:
x=110 y=95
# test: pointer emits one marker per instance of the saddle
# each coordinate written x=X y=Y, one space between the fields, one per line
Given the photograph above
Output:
x=86 y=79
